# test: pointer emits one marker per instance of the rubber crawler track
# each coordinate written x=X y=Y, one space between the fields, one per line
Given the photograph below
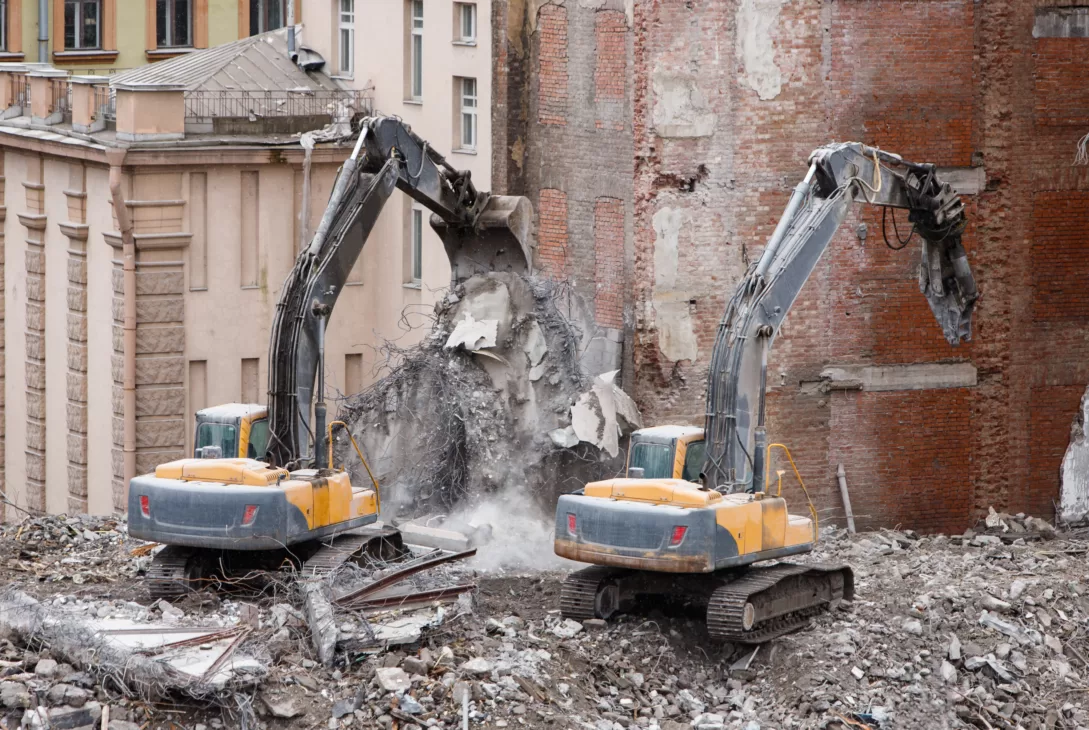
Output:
x=577 y=597
x=167 y=575
x=726 y=609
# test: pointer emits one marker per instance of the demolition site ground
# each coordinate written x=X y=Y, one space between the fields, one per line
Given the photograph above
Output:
x=988 y=629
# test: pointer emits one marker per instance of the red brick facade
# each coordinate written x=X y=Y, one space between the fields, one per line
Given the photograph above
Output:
x=719 y=135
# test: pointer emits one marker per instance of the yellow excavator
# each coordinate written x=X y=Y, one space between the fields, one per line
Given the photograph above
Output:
x=696 y=513
x=262 y=488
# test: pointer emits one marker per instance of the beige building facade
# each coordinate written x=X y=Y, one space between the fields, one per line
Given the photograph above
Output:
x=112 y=342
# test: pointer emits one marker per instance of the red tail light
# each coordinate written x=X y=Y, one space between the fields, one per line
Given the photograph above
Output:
x=249 y=515
x=571 y=523
x=678 y=535
x=145 y=506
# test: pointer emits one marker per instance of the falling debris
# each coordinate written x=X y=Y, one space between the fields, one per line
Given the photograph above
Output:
x=496 y=394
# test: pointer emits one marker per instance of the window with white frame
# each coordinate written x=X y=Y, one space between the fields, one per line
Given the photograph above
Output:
x=173 y=23
x=468 y=114
x=416 y=15
x=416 y=244
x=347 y=37
x=465 y=22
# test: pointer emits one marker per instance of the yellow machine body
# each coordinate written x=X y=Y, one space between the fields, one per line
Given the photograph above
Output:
x=243 y=504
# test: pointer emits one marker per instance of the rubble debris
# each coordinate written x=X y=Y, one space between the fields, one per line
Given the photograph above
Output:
x=1073 y=508
x=495 y=394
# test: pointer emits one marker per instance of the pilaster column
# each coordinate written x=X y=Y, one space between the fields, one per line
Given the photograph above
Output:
x=34 y=368
x=75 y=228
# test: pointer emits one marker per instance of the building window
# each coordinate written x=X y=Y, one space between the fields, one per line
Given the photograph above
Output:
x=173 y=23
x=347 y=37
x=266 y=15
x=416 y=49
x=82 y=24
x=465 y=22
x=468 y=119
x=416 y=239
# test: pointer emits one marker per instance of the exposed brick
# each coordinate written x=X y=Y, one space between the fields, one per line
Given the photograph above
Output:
x=552 y=72
x=610 y=31
x=552 y=233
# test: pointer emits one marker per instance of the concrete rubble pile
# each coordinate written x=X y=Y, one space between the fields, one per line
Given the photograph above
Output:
x=985 y=629
x=500 y=392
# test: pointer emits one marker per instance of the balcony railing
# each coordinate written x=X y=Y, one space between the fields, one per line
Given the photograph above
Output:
x=105 y=102
x=254 y=105
x=20 y=92
x=61 y=92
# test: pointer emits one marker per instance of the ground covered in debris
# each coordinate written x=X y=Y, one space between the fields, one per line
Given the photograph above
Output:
x=989 y=629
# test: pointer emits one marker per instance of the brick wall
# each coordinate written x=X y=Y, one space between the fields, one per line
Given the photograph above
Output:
x=552 y=88
x=563 y=137
x=552 y=233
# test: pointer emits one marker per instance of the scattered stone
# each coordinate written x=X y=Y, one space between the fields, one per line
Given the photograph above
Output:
x=413 y=665
x=595 y=624
x=411 y=706
x=392 y=679
x=283 y=708
x=45 y=668
x=477 y=666
x=567 y=629
x=954 y=648
x=14 y=695
x=991 y=603
x=948 y=673
x=913 y=627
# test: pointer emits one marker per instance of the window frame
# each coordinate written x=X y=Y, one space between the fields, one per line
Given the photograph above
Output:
x=77 y=26
x=4 y=40
x=415 y=55
x=415 y=242
x=469 y=106
x=346 y=26
x=461 y=9
x=171 y=34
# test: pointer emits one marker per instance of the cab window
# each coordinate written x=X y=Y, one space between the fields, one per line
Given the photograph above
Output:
x=258 y=440
x=656 y=460
x=693 y=461
x=224 y=435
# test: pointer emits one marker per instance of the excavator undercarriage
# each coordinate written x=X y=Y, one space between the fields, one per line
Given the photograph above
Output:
x=745 y=606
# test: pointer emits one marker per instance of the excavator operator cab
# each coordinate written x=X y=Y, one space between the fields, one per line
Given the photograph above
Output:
x=666 y=452
x=232 y=430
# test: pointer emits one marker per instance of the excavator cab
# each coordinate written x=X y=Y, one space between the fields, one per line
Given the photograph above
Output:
x=232 y=430
x=666 y=452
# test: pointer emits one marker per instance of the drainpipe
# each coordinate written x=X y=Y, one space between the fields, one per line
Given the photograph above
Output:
x=116 y=158
x=43 y=31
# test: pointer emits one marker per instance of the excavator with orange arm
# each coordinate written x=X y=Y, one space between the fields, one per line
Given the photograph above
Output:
x=695 y=518
x=263 y=488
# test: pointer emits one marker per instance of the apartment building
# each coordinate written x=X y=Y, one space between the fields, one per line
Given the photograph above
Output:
x=101 y=36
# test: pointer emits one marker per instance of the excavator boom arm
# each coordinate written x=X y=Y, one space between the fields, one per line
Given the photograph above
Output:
x=480 y=232
x=838 y=176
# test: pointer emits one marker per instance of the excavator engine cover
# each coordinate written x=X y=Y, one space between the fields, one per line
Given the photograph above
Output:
x=501 y=239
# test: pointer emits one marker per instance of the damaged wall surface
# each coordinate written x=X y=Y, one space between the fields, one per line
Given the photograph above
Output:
x=726 y=102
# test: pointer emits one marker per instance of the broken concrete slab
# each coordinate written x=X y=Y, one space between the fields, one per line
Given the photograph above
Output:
x=322 y=622
x=473 y=335
x=434 y=537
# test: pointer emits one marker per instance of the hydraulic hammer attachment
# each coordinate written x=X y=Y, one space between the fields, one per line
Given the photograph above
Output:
x=500 y=240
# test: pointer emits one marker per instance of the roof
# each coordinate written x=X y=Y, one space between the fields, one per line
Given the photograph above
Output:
x=255 y=63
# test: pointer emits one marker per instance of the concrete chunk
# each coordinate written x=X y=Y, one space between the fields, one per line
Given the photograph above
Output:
x=434 y=537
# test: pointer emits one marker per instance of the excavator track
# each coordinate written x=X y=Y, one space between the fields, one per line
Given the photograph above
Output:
x=579 y=596
x=344 y=547
x=766 y=603
x=168 y=574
